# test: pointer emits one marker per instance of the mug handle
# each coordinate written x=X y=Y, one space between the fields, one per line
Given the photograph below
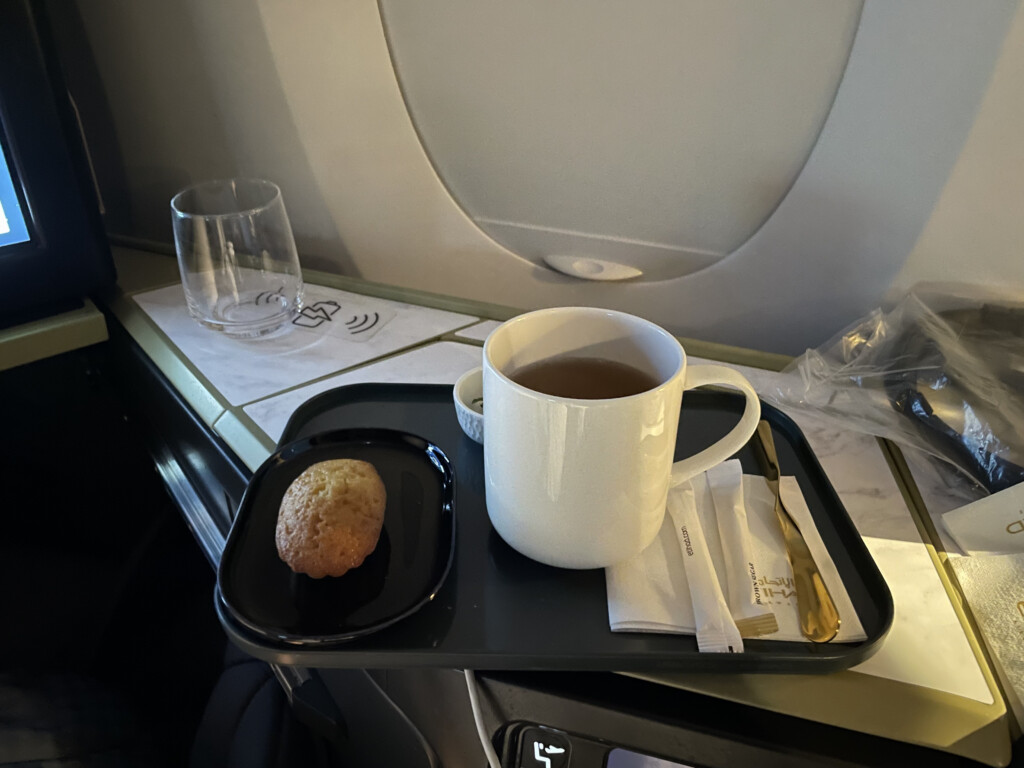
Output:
x=704 y=375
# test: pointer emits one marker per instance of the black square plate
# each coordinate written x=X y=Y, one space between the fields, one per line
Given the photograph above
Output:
x=402 y=574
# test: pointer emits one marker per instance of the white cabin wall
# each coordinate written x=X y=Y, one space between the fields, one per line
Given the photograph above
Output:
x=976 y=231
x=304 y=94
x=190 y=91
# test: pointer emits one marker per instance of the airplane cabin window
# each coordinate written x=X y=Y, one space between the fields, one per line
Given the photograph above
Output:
x=586 y=130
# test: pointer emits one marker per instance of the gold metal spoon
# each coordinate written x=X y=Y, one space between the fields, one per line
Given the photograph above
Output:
x=819 y=619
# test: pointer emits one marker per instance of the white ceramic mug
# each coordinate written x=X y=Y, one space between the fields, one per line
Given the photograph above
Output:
x=580 y=483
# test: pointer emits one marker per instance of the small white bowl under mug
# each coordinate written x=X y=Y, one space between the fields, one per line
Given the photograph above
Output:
x=468 y=394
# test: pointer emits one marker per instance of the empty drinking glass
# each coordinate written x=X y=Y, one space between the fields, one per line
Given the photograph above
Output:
x=237 y=256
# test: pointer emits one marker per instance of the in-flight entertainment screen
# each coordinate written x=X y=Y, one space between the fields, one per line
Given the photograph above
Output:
x=12 y=220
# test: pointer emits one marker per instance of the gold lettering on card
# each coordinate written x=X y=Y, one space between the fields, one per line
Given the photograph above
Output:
x=1017 y=526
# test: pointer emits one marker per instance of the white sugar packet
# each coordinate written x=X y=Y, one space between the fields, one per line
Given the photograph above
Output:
x=716 y=631
x=740 y=571
x=650 y=593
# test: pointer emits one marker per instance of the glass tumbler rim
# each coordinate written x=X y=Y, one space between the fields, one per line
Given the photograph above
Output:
x=270 y=186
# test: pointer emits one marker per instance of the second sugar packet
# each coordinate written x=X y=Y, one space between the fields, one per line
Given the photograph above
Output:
x=741 y=574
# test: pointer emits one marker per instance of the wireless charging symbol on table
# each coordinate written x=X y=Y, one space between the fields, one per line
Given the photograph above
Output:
x=354 y=325
x=269 y=297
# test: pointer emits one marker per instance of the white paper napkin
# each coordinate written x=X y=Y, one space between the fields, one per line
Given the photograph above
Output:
x=994 y=587
x=649 y=592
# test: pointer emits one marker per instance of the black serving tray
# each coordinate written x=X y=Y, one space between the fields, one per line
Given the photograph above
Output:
x=500 y=610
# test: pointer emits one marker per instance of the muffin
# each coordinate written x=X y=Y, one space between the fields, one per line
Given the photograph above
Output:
x=331 y=517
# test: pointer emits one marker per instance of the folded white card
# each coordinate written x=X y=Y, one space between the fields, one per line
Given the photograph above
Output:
x=991 y=525
x=649 y=593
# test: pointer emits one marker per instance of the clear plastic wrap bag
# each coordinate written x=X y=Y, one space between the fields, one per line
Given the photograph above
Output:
x=943 y=372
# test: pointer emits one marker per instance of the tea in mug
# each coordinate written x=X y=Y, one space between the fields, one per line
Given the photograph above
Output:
x=585 y=378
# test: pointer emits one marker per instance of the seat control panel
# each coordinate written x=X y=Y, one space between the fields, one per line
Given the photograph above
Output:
x=544 y=748
x=531 y=745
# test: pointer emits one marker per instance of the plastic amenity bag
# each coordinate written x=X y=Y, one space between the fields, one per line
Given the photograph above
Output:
x=941 y=372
